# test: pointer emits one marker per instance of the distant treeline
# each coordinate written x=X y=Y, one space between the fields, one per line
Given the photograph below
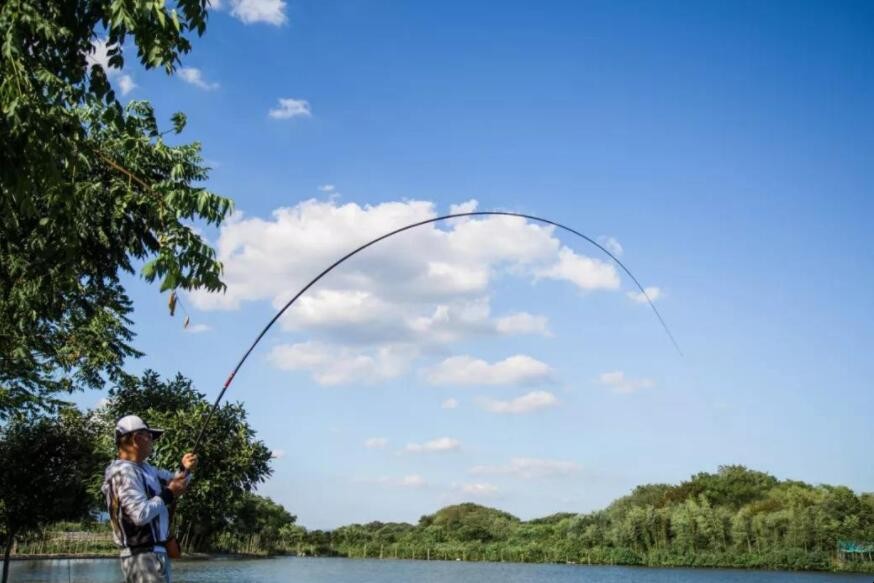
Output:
x=734 y=518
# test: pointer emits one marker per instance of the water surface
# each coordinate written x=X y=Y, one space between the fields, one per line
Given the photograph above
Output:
x=311 y=570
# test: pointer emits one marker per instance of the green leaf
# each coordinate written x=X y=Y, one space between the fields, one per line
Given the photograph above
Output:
x=148 y=270
x=169 y=281
x=179 y=120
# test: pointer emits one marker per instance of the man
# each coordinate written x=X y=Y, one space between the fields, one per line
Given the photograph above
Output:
x=138 y=496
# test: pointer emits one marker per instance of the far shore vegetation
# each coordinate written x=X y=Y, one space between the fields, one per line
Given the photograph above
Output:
x=736 y=517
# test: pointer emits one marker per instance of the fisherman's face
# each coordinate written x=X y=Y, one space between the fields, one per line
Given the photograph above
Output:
x=144 y=443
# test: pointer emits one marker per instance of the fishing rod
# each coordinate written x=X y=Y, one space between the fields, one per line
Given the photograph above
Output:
x=303 y=290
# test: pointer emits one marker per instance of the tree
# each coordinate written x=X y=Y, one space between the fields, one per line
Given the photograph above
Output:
x=88 y=190
x=259 y=515
x=732 y=485
x=47 y=468
x=232 y=461
x=469 y=522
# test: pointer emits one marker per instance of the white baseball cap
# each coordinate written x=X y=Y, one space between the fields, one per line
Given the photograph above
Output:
x=131 y=423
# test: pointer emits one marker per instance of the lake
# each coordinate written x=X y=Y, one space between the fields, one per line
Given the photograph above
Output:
x=313 y=570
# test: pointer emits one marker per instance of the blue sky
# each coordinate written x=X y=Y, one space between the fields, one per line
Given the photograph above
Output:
x=727 y=148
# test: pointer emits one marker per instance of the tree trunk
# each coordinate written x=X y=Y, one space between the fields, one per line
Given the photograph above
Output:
x=9 y=542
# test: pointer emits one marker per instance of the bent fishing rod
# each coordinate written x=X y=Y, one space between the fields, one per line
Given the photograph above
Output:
x=303 y=290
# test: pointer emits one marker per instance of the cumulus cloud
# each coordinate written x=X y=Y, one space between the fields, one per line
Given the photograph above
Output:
x=449 y=404
x=344 y=309
x=450 y=322
x=376 y=443
x=441 y=444
x=529 y=468
x=254 y=11
x=327 y=188
x=617 y=381
x=466 y=370
x=373 y=340
x=194 y=76
x=334 y=365
x=409 y=295
x=468 y=206
x=289 y=108
x=653 y=293
x=264 y=258
x=277 y=454
x=586 y=273
x=525 y=404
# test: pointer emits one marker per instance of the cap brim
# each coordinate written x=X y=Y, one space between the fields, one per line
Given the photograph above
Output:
x=156 y=433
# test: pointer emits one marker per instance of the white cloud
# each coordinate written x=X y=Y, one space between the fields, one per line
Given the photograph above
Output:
x=441 y=444
x=522 y=323
x=466 y=370
x=611 y=245
x=449 y=404
x=194 y=77
x=449 y=322
x=528 y=468
x=101 y=403
x=503 y=239
x=587 y=273
x=277 y=454
x=483 y=490
x=339 y=309
x=265 y=258
x=468 y=206
x=654 y=293
x=327 y=188
x=407 y=296
x=376 y=443
x=253 y=11
x=289 y=108
x=524 y=404
x=333 y=365
x=356 y=316
x=616 y=380
x=198 y=328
